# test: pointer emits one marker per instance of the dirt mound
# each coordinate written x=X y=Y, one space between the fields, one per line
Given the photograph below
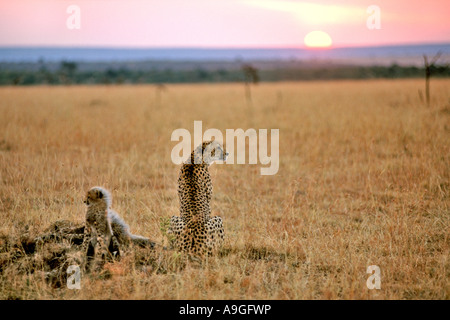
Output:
x=51 y=253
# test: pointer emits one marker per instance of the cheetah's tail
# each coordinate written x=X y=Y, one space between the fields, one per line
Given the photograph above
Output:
x=142 y=241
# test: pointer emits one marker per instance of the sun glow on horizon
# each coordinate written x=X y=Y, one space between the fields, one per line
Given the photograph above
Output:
x=318 y=39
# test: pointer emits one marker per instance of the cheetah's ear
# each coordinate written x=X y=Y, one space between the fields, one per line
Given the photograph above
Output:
x=99 y=194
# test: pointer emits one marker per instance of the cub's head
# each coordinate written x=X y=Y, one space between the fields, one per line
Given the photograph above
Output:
x=208 y=152
x=98 y=196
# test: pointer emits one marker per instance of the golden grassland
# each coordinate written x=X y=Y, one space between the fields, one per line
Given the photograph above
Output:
x=363 y=180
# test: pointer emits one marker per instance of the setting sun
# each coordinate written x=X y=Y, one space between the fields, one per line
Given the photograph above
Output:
x=318 y=39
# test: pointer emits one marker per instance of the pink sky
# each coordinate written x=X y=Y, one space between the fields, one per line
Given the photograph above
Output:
x=220 y=23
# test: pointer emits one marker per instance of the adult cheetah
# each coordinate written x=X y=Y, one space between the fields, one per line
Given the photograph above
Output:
x=105 y=228
x=195 y=231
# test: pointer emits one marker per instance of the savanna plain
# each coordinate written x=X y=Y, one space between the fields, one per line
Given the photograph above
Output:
x=363 y=180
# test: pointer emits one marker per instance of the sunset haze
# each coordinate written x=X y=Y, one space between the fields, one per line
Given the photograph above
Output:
x=220 y=23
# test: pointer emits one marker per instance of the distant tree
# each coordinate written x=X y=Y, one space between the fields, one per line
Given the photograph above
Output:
x=44 y=75
x=201 y=74
x=68 y=67
x=67 y=70
x=251 y=75
x=16 y=79
x=429 y=66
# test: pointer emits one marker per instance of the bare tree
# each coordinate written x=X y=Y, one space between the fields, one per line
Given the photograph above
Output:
x=251 y=76
x=428 y=68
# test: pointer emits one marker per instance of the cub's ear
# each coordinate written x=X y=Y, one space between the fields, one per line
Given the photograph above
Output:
x=99 y=194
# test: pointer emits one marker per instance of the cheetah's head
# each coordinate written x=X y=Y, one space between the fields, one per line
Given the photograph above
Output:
x=98 y=196
x=209 y=152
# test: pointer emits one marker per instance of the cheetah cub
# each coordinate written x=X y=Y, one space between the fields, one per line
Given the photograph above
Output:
x=105 y=231
x=195 y=231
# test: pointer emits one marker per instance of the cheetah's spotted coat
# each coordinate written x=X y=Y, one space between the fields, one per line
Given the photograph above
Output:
x=195 y=230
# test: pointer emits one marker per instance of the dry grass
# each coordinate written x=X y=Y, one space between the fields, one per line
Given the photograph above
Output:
x=363 y=180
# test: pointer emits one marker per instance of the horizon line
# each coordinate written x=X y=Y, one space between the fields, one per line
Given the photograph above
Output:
x=262 y=47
